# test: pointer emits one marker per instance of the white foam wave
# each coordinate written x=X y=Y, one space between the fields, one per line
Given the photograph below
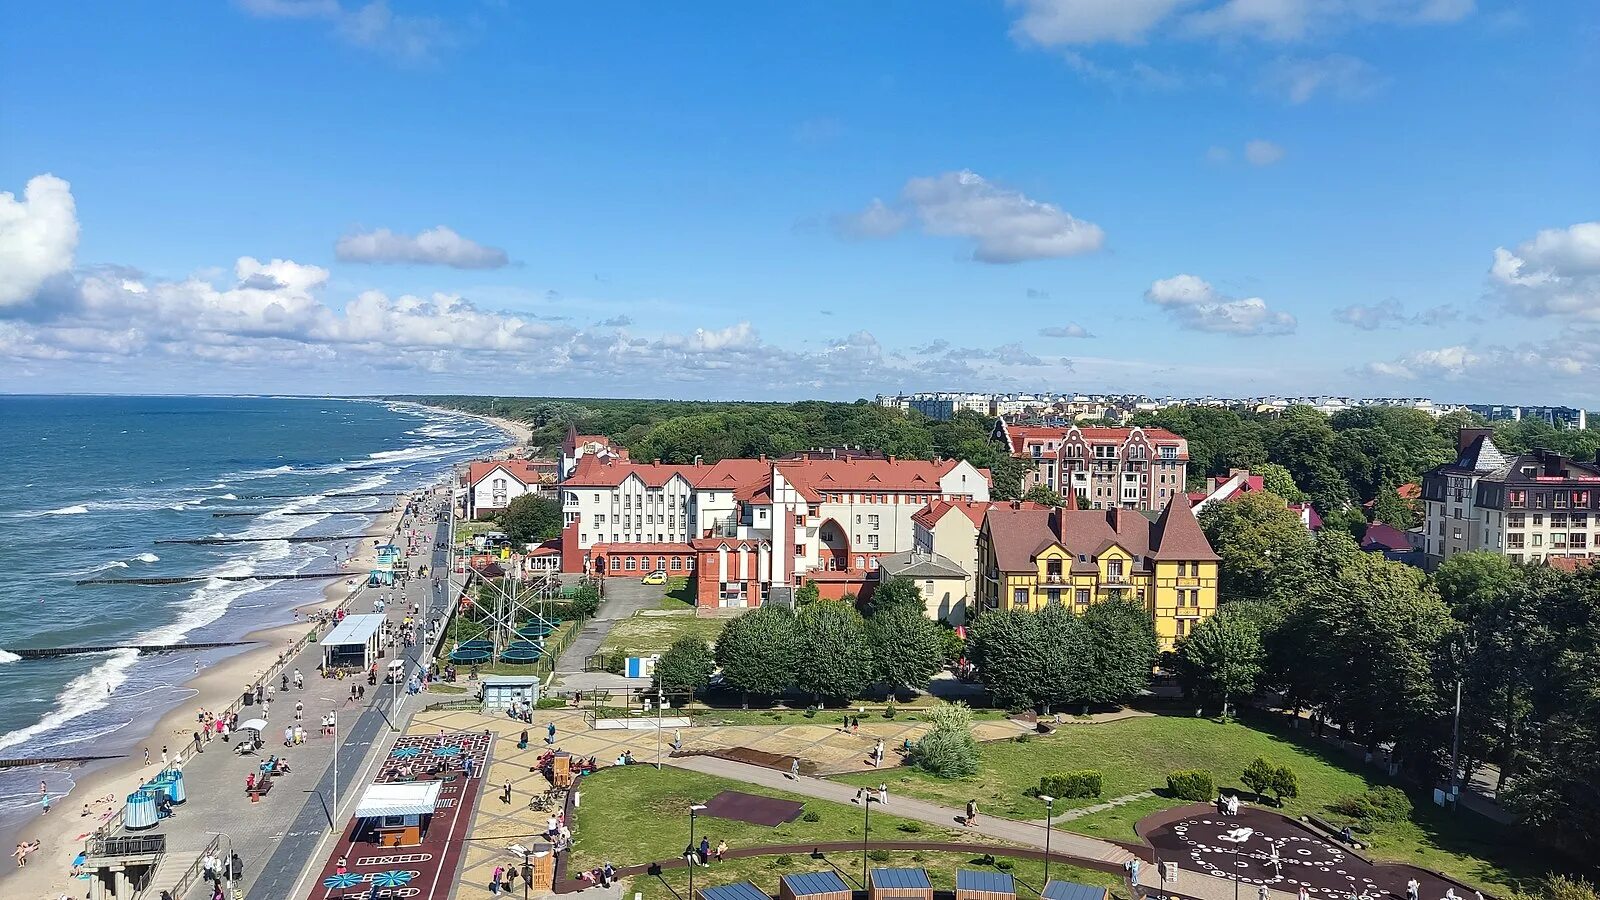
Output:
x=83 y=695
x=227 y=497
x=420 y=452
x=6 y=657
x=75 y=510
x=148 y=558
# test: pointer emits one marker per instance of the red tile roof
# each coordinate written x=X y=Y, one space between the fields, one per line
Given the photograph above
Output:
x=930 y=515
x=820 y=476
x=1020 y=435
x=625 y=549
x=523 y=470
x=1380 y=536
x=1017 y=535
x=1569 y=564
x=594 y=471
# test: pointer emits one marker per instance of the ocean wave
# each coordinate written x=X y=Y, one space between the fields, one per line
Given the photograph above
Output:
x=409 y=452
x=114 y=564
x=6 y=657
x=147 y=558
x=83 y=695
x=226 y=497
x=74 y=510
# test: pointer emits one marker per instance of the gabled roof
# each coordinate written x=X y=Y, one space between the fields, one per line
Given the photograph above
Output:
x=1017 y=536
x=818 y=476
x=524 y=471
x=594 y=471
x=931 y=515
x=1177 y=534
x=911 y=564
x=1380 y=536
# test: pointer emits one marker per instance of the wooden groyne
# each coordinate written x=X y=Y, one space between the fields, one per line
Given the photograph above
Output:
x=314 y=512
x=50 y=760
x=302 y=496
x=52 y=652
x=189 y=579
x=293 y=539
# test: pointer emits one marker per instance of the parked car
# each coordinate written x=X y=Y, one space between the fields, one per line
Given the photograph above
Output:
x=659 y=576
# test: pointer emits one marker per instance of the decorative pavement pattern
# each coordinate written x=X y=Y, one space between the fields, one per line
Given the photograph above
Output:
x=1261 y=847
x=425 y=872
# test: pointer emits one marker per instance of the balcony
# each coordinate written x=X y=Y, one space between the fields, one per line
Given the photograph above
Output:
x=1054 y=578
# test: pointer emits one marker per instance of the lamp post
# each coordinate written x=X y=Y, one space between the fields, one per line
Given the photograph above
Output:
x=867 y=799
x=661 y=698
x=332 y=819
x=1049 y=810
x=227 y=863
x=692 y=857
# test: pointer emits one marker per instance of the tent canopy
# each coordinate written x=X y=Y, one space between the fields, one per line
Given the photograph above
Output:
x=415 y=798
x=253 y=725
x=353 y=630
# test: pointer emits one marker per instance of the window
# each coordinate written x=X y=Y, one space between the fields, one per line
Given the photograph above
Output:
x=1517 y=499
x=1580 y=541
x=1538 y=540
x=600 y=519
x=1053 y=596
x=677 y=563
x=628 y=564
x=872 y=542
x=1114 y=568
x=872 y=521
x=616 y=563
x=861 y=563
x=1539 y=500
x=1019 y=597
x=1080 y=597
x=583 y=538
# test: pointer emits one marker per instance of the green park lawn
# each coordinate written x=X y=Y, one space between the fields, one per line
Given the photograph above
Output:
x=1135 y=755
x=642 y=635
x=636 y=814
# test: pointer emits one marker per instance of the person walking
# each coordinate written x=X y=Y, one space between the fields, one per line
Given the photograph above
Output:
x=147 y=756
x=494 y=882
x=705 y=852
x=163 y=757
x=972 y=813
x=883 y=794
x=505 y=792
x=794 y=768
x=550 y=733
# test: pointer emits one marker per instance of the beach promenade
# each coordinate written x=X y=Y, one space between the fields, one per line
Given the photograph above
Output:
x=276 y=836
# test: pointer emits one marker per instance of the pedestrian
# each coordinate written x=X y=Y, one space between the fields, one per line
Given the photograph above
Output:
x=861 y=795
x=163 y=757
x=147 y=756
x=288 y=735
x=877 y=754
x=705 y=852
x=505 y=792
x=883 y=794
x=1303 y=893
x=197 y=747
x=361 y=692
x=972 y=813
x=550 y=733
x=677 y=739
x=1413 y=889
x=494 y=883
x=722 y=850
x=688 y=854
x=794 y=768
x=522 y=743
x=299 y=709
x=1261 y=892
x=607 y=873
x=341 y=867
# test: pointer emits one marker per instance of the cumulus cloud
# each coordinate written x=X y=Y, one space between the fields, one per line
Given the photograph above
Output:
x=1194 y=304
x=439 y=246
x=1262 y=153
x=1053 y=23
x=1004 y=225
x=1070 y=330
x=1299 y=79
x=1534 y=363
x=1555 y=273
x=38 y=236
x=372 y=25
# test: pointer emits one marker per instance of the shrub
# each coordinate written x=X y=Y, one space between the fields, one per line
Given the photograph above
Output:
x=780 y=862
x=889 y=710
x=910 y=827
x=810 y=816
x=1258 y=776
x=1191 y=784
x=1023 y=738
x=1082 y=783
x=878 y=855
x=550 y=703
x=1004 y=865
x=1380 y=804
x=811 y=712
x=948 y=750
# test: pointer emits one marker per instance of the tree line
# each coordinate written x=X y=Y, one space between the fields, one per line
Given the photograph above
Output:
x=1377 y=648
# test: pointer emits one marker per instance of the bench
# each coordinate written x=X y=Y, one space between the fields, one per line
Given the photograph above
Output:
x=1336 y=834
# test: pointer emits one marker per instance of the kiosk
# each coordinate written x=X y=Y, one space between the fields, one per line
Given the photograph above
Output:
x=397 y=814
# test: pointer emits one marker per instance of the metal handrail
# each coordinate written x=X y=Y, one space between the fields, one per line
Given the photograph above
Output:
x=186 y=880
x=132 y=845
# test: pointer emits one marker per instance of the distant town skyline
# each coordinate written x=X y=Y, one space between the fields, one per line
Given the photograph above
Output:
x=1389 y=198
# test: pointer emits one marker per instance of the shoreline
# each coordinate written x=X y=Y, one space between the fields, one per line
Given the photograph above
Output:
x=103 y=787
x=521 y=433
x=62 y=832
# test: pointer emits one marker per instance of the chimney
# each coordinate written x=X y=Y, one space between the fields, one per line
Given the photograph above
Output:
x=655 y=462
x=891 y=460
x=1467 y=435
x=698 y=459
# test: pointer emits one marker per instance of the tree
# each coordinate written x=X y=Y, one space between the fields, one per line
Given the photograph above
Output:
x=893 y=593
x=1277 y=480
x=686 y=666
x=760 y=650
x=907 y=646
x=1004 y=644
x=807 y=594
x=1265 y=550
x=837 y=658
x=1122 y=649
x=585 y=601
x=1391 y=508
x=1258 y=776
x=948 y=750
x=1474 y=582
x=1284 y=784
x=531 y=517
x=1222 y=657
x=1043 y=495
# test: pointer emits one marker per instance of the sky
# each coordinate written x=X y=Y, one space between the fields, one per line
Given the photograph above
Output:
x=730 y=200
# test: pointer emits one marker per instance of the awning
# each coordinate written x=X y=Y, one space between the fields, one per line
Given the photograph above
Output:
x=353 y=630
x=416 y=798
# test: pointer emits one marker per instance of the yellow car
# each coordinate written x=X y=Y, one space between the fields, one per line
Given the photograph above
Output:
x=656 y=577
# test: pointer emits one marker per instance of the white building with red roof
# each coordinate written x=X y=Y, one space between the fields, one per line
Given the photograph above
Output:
x=1111 y=468
x=745 y=526
x=491 y=485
x=576 y=446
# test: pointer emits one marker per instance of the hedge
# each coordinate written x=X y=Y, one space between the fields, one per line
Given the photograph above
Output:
x=1191 y=784
x=1082 y=783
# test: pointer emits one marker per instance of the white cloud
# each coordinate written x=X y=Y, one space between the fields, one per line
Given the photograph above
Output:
x=1070 y=330
x=1262 y=153
x=372 y=25
x=1392 y=313
x=38 y=236
x=1197 y=306
x=439 y=246
x=1299 y=79
x=1496 y=366
x=1005 y=225
x=1054 y=22
x=1556 y=273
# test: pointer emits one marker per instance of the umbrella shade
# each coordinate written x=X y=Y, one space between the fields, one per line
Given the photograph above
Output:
x=447 y=750
x=347 y=880
x=393 y=878
x=254 y=724
x=406 y=752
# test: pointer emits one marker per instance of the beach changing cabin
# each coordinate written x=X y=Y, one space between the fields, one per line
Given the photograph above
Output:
x=739 y=890
x=813 y=886
x=1071 y=890
x=397 y=814
x=973 y=885
x=899 y=884
x=355 y=643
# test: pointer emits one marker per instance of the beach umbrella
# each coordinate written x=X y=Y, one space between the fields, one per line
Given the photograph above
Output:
x=393 y=878
x=340 y=882
x=254 y=724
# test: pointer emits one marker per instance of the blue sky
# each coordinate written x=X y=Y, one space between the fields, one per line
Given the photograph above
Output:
x=763 y=200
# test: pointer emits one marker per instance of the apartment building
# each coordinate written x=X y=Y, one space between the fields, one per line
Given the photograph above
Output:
x=1128 y=468
x=1533 y=507
x=491 y=485
x=747 y=526
x=1029 y=558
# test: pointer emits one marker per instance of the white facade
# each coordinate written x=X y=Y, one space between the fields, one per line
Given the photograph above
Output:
x=495 y=490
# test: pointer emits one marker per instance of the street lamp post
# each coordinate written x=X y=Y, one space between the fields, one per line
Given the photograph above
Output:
x=867 y=799
x=660 y=699
x=227 y=863
x=332 y=819
x=1049 y=811
x=693 y=855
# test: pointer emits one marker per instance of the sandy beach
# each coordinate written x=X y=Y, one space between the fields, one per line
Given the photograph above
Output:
x=104 y=788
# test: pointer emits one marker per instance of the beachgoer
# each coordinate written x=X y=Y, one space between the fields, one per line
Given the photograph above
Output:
x=341 y=867
x=163 y=756
x=147 y=756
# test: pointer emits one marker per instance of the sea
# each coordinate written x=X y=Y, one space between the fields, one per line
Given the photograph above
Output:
x=89 y=484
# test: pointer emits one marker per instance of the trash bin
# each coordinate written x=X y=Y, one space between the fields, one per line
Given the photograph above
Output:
x=249 y=698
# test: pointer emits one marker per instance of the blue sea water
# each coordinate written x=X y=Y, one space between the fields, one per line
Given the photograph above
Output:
x=88 y=484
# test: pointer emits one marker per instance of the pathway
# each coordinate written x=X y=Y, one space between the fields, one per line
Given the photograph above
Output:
x=1113 y=803
x=624 y=596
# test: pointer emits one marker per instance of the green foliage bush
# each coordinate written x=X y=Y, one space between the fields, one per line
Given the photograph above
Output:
x=1004 y=865
x=1258 y=776
x=878 y=855
x=1080 y=783
x=1191 y=784
x=1380 y=804
x=810 y=816
x=948 y=750
x=910 y=827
